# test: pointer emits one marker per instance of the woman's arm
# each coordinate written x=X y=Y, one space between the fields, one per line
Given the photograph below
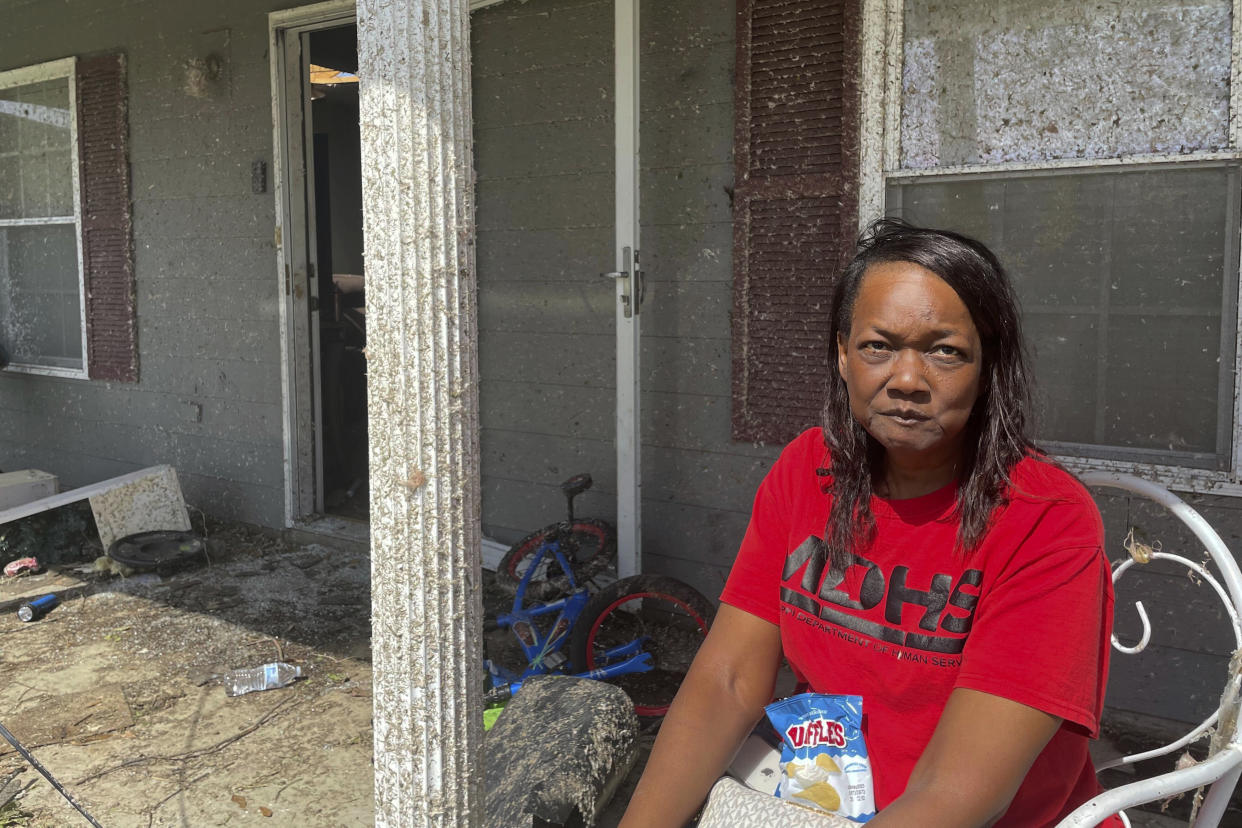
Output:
x=722 y=697
x=978 y=756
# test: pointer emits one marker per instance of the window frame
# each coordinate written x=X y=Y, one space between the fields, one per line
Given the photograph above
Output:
x=38 y=73
x=880 y=161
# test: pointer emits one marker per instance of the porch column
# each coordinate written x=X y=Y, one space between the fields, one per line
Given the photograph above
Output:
x=422 y=403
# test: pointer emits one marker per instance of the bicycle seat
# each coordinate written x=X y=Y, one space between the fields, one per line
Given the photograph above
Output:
x=576 y=485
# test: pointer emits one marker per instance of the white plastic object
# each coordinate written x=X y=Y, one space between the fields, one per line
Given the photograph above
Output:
x=757 y=764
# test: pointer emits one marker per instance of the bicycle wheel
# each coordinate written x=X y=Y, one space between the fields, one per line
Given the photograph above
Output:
x=592 y=546
x=672 y=615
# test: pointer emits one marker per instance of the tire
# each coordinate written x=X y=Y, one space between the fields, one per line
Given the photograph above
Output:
x=594 y=548
x=673 y=614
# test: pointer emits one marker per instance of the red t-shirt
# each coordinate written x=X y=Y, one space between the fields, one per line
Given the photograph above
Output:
x=1026 y=616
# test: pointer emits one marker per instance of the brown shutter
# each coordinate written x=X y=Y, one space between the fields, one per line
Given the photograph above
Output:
x=795 y=203
x=107 y=254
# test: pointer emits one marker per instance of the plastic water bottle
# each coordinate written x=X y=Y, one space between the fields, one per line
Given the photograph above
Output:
x=266 y=677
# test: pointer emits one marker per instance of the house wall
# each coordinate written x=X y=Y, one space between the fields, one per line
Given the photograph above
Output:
x=543 y=111
x=208 y=397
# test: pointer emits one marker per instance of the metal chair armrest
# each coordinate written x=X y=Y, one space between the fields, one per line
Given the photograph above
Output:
x=1095 y=811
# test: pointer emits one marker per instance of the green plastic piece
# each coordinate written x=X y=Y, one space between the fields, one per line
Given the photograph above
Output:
x=490 y=715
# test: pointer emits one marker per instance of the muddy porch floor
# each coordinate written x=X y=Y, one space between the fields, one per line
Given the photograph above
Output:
x=117 y=692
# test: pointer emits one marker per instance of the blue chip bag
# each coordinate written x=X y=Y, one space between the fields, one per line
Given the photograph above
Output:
x=824 y=762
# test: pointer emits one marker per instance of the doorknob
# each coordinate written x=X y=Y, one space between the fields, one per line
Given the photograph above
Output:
x=624 y=276
x=631 y=289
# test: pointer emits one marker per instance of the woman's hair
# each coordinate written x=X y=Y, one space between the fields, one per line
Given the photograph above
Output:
x=996 y=432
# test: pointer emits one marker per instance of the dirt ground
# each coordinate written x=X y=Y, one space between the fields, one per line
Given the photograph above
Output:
x=117 y=692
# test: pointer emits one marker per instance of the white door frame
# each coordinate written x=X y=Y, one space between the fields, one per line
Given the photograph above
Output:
x=293 y=184
x=299 y=383
x=629 y=419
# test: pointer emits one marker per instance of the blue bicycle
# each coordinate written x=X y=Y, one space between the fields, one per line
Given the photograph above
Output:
x=640 y=633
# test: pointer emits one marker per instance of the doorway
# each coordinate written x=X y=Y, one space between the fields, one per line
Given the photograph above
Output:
x=340 y=313
x=323 y=314
x=319 y=180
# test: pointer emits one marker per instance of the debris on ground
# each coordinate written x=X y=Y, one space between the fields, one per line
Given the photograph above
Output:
x=558 y=752
x=21 y=566
x=10 y=786
x=136 y=502
x=119 y=691
x=162 y=550
x=270 y=676
x=36 y=608
x=53 y=537
x=106 y=566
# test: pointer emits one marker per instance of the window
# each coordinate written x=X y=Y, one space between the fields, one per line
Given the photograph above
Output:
x=42 y=309
x=66 y=257
x=1091 y=146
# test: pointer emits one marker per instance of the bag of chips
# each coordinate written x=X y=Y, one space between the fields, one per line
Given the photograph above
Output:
x=824 y=760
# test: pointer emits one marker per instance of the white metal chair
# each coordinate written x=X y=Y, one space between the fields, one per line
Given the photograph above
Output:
x=1220 y=771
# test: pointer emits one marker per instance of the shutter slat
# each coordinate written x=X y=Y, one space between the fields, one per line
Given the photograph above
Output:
x=793 y=10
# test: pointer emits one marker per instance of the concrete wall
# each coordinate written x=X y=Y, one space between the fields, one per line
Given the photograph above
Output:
x=208 y=399
x=543 y=110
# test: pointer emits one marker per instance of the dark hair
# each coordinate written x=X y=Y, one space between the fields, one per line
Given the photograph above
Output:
x=997 y=428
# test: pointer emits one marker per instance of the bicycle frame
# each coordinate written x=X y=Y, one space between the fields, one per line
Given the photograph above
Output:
x=543 y=650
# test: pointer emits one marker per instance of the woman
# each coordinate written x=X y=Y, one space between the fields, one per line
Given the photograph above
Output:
x=919 y=552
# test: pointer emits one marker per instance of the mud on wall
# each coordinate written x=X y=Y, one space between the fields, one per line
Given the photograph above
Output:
x=993 y=82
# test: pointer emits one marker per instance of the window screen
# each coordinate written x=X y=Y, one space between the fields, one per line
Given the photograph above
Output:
x=1127 y=278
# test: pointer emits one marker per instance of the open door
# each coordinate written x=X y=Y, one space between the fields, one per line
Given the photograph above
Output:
x=319 y=189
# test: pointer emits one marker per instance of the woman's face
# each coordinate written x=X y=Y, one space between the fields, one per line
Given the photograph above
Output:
x=911 y=362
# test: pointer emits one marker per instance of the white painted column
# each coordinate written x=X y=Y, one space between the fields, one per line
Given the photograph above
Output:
x=422 y=390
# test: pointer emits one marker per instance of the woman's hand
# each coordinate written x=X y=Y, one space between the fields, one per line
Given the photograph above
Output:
x=978 y=756
x=722 y=697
